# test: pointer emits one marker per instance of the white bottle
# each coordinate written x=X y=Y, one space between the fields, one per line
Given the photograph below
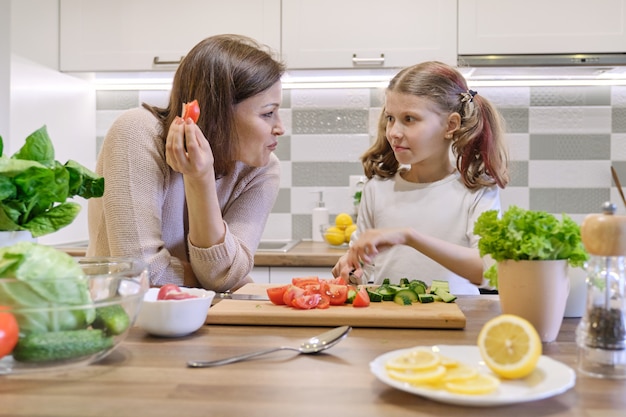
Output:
x=320 y=218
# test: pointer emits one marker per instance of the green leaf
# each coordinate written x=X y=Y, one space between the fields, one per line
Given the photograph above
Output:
x=38 y=147
x=54 y=219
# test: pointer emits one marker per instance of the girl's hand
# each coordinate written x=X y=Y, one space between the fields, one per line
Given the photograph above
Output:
x=373 y=241
x=186 y=149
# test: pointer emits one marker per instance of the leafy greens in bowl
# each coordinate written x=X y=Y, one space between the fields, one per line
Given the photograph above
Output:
x=69 y=312
x=521 y=234
x=34 y=187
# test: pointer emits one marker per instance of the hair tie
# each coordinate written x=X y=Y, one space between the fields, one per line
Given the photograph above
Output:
x=468 y=96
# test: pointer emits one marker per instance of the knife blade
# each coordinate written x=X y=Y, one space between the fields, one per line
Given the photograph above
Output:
x=235 y=296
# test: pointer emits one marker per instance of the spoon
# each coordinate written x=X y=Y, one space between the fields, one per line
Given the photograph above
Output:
x=313 y=345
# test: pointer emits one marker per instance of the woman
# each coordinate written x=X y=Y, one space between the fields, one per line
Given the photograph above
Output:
x=418 y=208
x=192 y=199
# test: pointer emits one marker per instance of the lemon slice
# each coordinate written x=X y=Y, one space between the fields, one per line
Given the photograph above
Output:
x=479 y=384
x=510 y=346
x=415 y=360
x=428 y=376
x=460 y=373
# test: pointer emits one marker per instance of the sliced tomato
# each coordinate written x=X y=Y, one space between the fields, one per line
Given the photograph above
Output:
x=173 y=292
x=276 y=294
x=191 y=110
x=337 y=280
x=292 y=292
x=324 y=302
x=338 y=294
x=362 y=298
x=304 y=281
x=9 y=332
x=306 y=302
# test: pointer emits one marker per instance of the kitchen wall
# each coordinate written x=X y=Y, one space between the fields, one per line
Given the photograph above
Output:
x=562 y=142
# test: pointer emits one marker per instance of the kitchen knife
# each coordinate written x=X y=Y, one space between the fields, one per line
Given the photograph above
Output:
x=235 y=296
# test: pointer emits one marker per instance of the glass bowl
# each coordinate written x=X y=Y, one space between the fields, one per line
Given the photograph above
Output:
x=76 y=321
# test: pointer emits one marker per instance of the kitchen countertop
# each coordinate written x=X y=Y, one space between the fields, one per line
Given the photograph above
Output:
x=305 y=253
x=148 y=376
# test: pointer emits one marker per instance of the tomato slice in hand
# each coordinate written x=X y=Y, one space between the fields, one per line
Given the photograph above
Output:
x=362 y=298
x=276 y=294
x=9 y=332
x=191 y=110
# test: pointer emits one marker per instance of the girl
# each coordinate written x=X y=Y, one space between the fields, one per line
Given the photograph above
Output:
x=418 y=208
x=192 y=199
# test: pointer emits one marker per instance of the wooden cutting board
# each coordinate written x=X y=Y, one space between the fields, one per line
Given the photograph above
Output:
x=437 y=315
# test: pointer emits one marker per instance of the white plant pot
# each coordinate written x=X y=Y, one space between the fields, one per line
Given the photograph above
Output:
x=8 y=238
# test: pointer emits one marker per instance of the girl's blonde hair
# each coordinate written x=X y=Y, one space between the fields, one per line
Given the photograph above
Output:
x=478 y=145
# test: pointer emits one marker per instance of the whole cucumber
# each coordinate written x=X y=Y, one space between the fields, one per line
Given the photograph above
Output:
x=66 y=344
x=112 y=319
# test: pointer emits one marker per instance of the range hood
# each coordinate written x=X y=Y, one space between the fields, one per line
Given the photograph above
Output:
x=541 y=60
x=545 y=69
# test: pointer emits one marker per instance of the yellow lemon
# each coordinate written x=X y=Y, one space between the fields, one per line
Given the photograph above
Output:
x=348 y=232
x=415 y=360
x=334 y=236
x=510 y=346
x=343 y=220
x=459 y=373
x=476 y=385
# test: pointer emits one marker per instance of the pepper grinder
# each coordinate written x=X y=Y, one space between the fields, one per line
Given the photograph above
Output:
x=601 y=333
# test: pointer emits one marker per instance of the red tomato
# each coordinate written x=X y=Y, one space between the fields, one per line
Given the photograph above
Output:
x=191 y=110
x=306 y=302
x=362 y=299
x=337 y=280
x=291 y=293
x=9 y=333
x=338 y=294
x=304 y=281
x=173 y=292
x=276 y=294
x=324 y=302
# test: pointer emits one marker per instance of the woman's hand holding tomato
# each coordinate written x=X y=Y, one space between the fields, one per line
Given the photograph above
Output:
x=186 y=149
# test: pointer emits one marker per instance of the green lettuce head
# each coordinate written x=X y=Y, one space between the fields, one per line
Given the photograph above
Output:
x=46 y=278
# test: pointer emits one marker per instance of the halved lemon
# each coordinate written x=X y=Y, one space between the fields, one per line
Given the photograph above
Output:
x=415 y=360
x=477 y=385
x=510 y=346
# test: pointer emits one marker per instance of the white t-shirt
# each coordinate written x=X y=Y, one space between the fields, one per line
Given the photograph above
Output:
x=445 y=209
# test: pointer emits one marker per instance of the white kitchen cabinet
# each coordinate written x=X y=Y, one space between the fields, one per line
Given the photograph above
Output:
x=353 y=34
x=146 y=35
x=541 y=27
x=283 y=275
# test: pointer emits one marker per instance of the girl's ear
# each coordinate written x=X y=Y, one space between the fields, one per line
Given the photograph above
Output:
x=454 y=123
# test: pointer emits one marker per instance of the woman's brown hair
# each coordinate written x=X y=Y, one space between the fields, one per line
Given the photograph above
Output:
x=220 y=72
x=478 y=145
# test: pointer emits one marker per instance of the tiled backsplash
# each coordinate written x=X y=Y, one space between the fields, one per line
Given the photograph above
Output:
x=562 y=143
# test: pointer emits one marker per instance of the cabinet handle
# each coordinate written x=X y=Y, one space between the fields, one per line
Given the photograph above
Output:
x=157 y=61
x=368 y=61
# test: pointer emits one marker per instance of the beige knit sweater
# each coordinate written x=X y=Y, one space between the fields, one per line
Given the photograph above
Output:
x=143 y=212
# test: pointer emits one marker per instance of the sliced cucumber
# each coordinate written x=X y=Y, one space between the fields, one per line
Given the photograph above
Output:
x=445 y=295
x=375 y=297
x=445 y=285
x=405 y=297
x=426 y=298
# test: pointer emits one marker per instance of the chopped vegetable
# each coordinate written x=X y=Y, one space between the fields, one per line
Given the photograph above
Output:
x=9 y=332
x=191 y=110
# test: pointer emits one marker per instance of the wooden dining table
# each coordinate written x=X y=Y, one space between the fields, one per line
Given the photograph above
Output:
x=148 y=376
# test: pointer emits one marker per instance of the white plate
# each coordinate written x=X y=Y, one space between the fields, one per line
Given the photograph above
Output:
x=549 y=378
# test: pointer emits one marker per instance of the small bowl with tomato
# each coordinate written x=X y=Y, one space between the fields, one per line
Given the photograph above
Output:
x=173 y=311
x=57 y=312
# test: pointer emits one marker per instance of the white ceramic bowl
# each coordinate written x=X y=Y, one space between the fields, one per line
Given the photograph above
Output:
x=174 y=318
